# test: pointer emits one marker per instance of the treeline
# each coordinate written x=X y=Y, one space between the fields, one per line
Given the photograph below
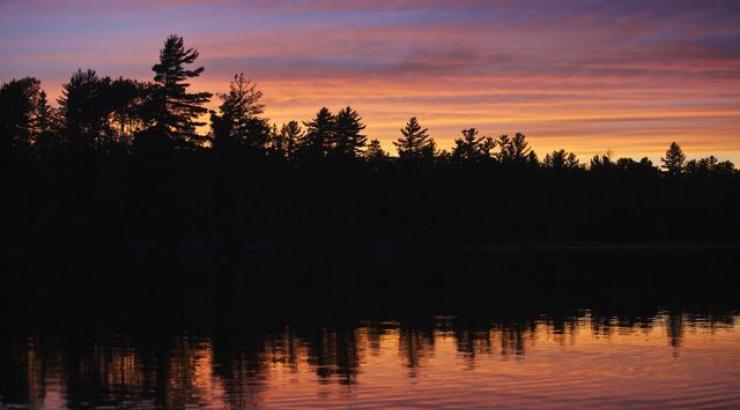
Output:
x=128 y=161
x=125 y=116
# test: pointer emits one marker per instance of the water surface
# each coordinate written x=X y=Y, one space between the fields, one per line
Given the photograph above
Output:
x=582 y=360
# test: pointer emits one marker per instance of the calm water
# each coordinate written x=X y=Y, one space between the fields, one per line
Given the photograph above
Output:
x=584 y=360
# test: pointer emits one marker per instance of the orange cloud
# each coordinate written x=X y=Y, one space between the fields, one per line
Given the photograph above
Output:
x=630 y=76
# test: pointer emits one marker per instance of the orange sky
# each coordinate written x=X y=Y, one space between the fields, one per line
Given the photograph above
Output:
x=589 y=76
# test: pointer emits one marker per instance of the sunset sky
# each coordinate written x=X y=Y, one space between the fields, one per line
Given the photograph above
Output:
x=587 y=75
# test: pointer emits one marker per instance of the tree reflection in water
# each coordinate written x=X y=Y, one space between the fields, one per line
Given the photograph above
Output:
x=289 y=367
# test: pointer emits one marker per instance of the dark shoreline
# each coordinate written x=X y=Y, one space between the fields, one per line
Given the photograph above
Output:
x=339 y=286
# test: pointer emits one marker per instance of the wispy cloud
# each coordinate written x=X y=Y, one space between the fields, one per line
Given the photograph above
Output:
x=628 y=75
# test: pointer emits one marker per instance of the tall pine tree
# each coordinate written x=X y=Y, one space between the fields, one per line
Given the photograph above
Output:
x=177 y=111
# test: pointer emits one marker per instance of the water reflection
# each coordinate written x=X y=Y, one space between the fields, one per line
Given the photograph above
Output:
x=579 y=360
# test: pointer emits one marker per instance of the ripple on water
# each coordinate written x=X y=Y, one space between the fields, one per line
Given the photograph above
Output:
x=677 y=361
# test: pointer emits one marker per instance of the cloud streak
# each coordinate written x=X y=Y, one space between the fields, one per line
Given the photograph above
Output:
x=590 y=75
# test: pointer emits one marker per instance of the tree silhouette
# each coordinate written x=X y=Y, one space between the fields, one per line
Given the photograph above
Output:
x=290 y=136
x=18 y=108
x=707 y=167
x=601 y=163
x=239 y=124
x=319 y=135
x=44 y=115
x=46 y=126
x=415 y=143
x=175 y=110
x=561 y=159
x=85 y=106
x=674 y=160
x=281 y=184
x=131 y=107
x=276 y=143
x=375 y=154
x=348 y=142
x=515 y=150
x=644 y=167
x=471 y=148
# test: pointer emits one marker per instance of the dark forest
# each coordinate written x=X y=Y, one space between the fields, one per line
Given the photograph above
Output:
x=123 y=169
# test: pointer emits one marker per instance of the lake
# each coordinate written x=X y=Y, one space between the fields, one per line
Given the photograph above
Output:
x=579 y=359
x=572 y=328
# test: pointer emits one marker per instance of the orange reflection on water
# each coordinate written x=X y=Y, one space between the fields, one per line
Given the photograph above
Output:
x=582 y=361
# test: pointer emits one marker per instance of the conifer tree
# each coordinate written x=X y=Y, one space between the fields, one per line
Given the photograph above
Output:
x=43 y=114
x=239 y=124
x=46 y=125
x=177 y=111
x=709 y=166
x=643 y=168
x=131 y=107
x=514 y=149
x=85 y=106
x=375 y=150
x=276 y=143
x=472 y=148
x=561 y=159
x=674 y=160
x=319 y=135
x=601 y=162
x=18 y=104
x=415 y=142
x=348 y=142
x=291 y=134
x=375 y=155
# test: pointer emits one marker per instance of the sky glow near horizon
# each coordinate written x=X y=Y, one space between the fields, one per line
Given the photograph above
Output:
x=628 y=76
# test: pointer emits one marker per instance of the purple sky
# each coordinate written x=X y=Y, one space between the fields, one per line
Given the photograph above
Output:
x=588 y=75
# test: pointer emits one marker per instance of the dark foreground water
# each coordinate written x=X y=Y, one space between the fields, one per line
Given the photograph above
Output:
x=526 y=329
x=583 y=360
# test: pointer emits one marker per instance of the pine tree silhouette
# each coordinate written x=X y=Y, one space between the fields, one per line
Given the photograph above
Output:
x=472 y=148
x=514 y=150
x=348 y=142
x=674 y=160
x=177 y=111
x=317 y=141
x=291 y=135
x=415 y=143
x=561 y=159
x=239 y=124
x=85 y=105
x=18 y=107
